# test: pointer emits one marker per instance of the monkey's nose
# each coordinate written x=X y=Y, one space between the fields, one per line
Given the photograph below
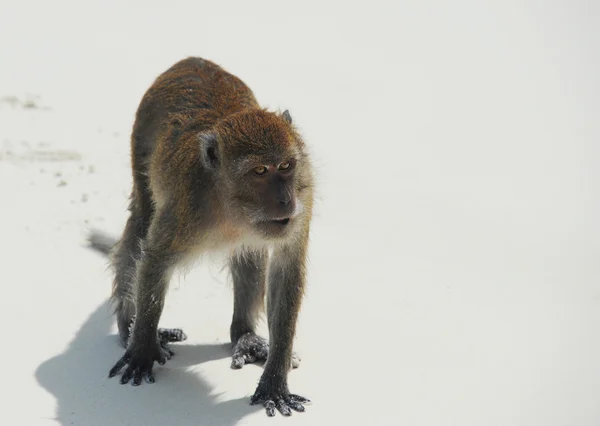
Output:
x=287 y=205
x=284 y=198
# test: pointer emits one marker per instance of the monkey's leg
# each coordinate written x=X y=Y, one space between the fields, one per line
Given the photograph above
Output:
x=127 y=251
x=145 y=347
x=248 y=270
x=125 y=254
x=285 y=291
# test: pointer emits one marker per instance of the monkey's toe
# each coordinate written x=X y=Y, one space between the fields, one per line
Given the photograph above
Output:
x=171 y=335
x=251 y=348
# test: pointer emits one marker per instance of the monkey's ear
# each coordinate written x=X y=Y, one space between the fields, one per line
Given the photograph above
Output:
x=286 y=115
x=208 y=145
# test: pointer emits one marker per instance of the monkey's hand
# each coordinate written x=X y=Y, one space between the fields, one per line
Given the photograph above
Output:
x=274 y=394
x=140 y=360
x=251 y=348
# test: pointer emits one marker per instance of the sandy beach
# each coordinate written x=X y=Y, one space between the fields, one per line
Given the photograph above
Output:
x=454 y=275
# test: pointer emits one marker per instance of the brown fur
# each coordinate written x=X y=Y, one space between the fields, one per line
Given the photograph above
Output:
x=199 y=135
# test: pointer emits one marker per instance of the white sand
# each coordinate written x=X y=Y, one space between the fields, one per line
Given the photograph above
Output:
x=454 y=276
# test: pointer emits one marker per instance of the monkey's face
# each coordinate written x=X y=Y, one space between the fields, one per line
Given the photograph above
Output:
x=266 y=196
x=266 y=170
x=273 y=206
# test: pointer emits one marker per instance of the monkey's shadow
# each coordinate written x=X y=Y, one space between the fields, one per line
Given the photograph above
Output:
x=78 y=380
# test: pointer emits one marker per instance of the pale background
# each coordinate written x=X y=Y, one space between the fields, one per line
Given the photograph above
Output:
x=454 y=275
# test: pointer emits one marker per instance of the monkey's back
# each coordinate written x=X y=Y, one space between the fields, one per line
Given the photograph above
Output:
x=193 y=89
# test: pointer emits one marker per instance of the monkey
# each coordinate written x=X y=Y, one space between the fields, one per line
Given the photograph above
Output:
x=215 y=171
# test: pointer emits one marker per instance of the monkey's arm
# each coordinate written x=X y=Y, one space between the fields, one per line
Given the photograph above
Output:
x=286 y=288
x=152 y=275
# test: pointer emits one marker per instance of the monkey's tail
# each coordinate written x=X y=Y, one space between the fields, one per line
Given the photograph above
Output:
x=102 y=242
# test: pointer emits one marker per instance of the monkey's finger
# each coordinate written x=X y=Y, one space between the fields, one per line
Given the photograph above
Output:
x=237 y=362
x=126 y=375
x=137 y=377
x=295 y=405
x=168 y=353
x=149 y=377
x=117 y=367
x=239 y=359
x=163 y=356
x=298 y=398
x=270 y=407
x=167 y=349
x=283 y=408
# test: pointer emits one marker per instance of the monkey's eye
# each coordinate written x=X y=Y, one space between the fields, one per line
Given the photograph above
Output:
x=284 y=166
x=260 y=170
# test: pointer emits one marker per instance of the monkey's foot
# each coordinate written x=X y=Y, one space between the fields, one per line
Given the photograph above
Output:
x=285 y=402
x=167 y=335
x=139 y=361
x=251 y=348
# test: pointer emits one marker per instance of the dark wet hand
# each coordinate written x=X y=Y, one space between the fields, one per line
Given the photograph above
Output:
x=139 y=361
x=283 y=401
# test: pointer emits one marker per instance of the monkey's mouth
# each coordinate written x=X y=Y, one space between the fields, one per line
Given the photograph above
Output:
x=276 y=227
x=281 y=222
